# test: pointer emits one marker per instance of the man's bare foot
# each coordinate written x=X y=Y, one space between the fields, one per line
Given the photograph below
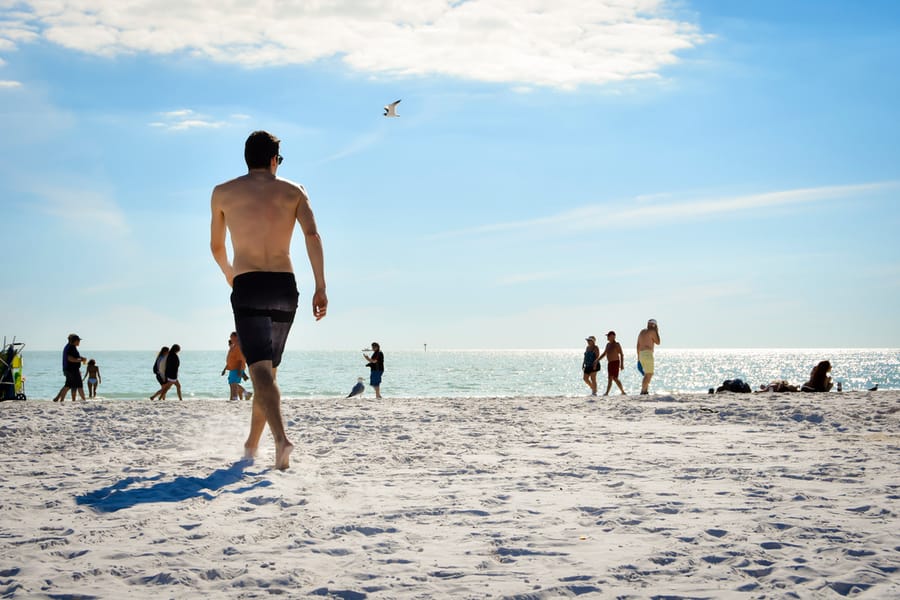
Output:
x=283 y=455
x=250 y=452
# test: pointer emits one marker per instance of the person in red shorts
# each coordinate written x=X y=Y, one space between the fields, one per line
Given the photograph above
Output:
x=615 y=358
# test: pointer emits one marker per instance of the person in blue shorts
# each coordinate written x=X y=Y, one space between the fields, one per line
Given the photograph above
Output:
x=376 y=364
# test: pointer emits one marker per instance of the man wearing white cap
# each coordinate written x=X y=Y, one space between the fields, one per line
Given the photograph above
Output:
x=647 y=338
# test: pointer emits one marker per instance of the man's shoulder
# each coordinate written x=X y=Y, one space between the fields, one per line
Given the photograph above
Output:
x=292 y=185
x=230 y=183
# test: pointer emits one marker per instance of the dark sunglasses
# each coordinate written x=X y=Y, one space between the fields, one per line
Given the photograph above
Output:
x=279 y=159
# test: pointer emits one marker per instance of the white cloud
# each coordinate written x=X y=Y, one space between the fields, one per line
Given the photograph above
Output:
x=549 y=43
x=184 y=119
x=642 y=212
x=9 y=84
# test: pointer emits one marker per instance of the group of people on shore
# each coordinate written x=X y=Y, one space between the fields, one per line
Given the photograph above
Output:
x=167 y=364
x=165 y=369
x=648 y=338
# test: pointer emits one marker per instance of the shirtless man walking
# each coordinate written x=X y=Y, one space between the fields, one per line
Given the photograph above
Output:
x=647 y=338
x=259 y=211
x=615 y=358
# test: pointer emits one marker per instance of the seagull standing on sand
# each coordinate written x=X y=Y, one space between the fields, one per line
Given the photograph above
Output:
x=358 y=388
x=391 y=109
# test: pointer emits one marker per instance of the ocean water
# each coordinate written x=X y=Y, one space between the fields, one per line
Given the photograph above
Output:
x=469 y=373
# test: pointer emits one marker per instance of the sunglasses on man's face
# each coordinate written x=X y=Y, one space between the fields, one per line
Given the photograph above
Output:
x=279 y=159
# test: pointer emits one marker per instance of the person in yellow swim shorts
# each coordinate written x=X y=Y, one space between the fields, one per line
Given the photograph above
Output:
x=647 y=339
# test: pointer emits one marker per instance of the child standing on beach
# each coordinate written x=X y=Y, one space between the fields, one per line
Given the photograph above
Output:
x=93 y=378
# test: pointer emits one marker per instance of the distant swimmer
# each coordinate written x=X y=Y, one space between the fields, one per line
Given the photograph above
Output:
x=391 y=109
x=358 y=389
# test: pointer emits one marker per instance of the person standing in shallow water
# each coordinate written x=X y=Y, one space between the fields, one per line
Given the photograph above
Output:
x=259 y=210
x=93 y=377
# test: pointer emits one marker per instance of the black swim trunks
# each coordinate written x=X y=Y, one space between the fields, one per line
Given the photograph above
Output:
x=73 y=379
x=264 y=304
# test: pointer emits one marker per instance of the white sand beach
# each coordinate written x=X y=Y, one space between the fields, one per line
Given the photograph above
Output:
x=694 y=496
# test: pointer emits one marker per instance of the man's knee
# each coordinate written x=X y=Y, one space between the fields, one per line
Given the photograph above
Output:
x=261 y=372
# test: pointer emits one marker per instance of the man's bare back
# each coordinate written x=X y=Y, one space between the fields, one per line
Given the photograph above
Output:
x=259 y=210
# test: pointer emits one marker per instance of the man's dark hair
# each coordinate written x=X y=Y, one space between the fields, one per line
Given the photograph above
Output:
x=259 y=150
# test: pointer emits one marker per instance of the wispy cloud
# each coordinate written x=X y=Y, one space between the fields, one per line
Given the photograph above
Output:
x=548 y=43
x=524 y=278
x=642 y=212
x=8 y=84
x=184 y=119
x=84 y=208
x=356 y=146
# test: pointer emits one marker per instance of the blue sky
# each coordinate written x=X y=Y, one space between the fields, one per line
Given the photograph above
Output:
x=559 y=169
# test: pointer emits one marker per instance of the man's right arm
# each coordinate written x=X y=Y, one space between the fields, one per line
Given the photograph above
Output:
x=217 y=238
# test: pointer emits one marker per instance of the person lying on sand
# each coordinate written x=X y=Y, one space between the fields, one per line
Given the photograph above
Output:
x=778 y=386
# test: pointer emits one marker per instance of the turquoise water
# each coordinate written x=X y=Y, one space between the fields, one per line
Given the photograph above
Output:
x=470 y=373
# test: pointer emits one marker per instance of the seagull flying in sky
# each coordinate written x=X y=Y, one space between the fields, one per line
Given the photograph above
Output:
x=391 y=109
x=358 y=388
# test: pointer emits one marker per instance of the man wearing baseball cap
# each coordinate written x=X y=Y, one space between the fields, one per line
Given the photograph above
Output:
x=615 y=358
x=71 y=365
x=647 y=338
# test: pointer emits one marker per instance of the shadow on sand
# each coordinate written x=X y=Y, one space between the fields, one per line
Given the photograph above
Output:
x=118 y=496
